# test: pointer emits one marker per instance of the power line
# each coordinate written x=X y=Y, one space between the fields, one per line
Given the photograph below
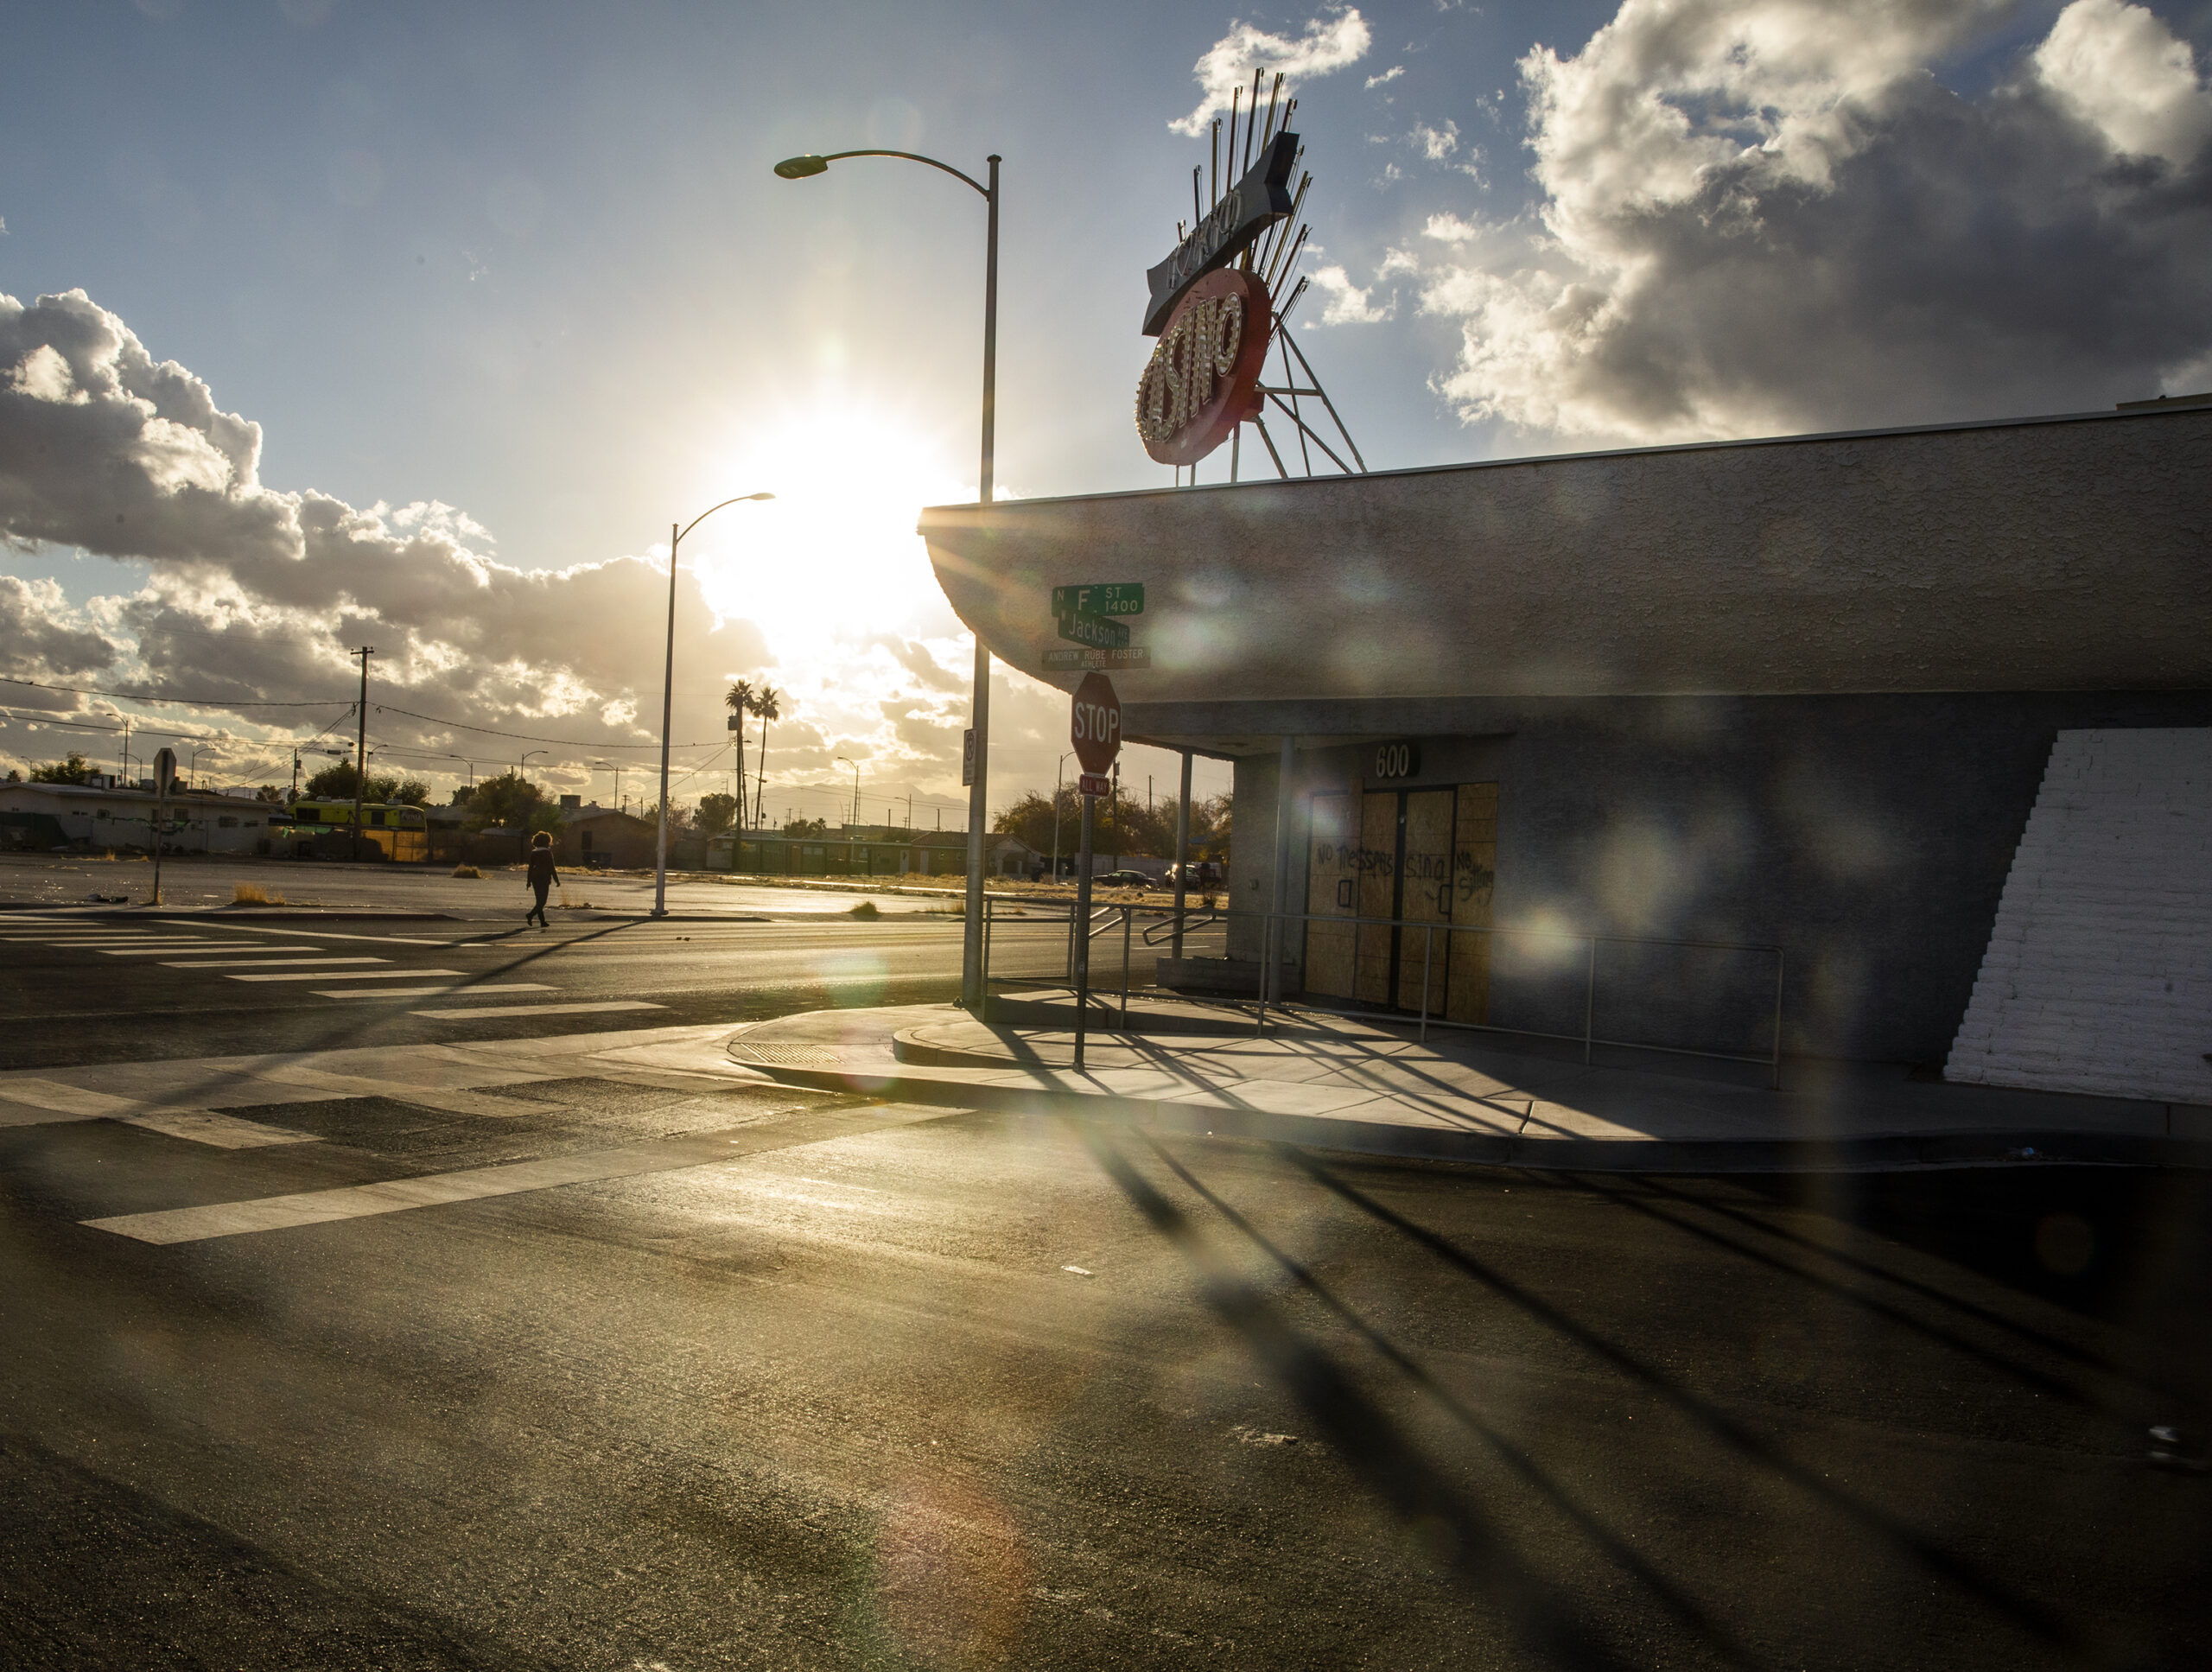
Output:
x=534 y=737
x=180 y=701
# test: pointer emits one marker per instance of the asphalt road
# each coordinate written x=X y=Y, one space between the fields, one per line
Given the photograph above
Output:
x=77 y=989
x=823 y=1383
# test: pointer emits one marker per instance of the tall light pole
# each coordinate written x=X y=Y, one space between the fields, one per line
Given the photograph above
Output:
x=525 y=761
x=855 y=766
x=668 y=695
x=804 y=167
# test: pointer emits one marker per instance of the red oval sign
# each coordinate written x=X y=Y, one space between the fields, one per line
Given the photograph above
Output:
x=1095 y=725
x=1201 y=381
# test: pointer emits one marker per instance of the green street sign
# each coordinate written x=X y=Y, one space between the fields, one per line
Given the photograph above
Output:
x=1095 y=630
x=1072 y=661
x=1102 y=598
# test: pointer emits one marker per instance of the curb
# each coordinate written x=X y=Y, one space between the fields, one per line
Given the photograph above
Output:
x=1885 y=1153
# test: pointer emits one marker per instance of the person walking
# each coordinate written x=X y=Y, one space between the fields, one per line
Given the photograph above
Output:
x=542 y=876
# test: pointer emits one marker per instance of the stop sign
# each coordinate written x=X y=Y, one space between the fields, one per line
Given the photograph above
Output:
x=1094 y=727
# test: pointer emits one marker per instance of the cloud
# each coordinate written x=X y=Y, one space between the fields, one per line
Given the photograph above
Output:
x=36 y=639
x=1766 y=215
x=2117 y=69
x=1390 y=74
x=1348 y=304
x=1437 y=144
x=1337 y=38
x=258 y=595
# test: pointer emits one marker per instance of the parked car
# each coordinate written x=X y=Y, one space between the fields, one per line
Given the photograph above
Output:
x=1199 y=874
x=1122 y=880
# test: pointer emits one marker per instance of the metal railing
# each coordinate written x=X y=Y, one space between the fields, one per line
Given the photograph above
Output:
x=1212 y=925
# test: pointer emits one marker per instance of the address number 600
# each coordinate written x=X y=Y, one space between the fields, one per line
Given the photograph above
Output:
x=1397 y=760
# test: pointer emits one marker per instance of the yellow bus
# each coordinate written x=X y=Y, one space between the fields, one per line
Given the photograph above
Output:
x=324 y=830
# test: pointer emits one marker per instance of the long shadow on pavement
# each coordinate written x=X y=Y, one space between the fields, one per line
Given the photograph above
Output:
x=2023 y=1611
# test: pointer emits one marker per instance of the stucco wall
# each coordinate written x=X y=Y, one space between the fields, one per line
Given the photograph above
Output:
x=2050 y=555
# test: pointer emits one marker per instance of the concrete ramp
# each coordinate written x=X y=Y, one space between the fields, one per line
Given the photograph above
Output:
x=2099 y=974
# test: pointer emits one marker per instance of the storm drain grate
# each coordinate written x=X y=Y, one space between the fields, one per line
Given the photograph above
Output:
x=784 y=1055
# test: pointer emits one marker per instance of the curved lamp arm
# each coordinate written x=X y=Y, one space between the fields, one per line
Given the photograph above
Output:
x=803 y=167
x=711 y=510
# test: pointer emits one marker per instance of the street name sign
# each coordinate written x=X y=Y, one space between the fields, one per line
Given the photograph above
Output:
x=1094 y=723
x=1100 y=598
x=1063 y=659
x=1098 y=632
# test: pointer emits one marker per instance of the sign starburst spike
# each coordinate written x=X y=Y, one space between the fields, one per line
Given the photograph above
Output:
x=1213 y=310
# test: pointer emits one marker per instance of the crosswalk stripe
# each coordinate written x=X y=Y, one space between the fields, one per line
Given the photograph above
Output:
x=539 y=1009
x=263 y=963
x=207 y=1126
x=424 y=992
x=58 y=1097
x=316 y=1207
x=318 y=933
x=349 y=975
x=101 y=942
x=211 y=946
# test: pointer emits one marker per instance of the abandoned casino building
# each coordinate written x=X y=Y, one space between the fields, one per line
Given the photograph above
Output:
x=1890 y=746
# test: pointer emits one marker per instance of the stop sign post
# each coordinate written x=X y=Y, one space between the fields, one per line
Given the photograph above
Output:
x=1095 y=728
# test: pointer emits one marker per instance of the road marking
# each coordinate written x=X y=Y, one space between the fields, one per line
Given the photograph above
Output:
x=317 y=1207
x=104 y=942
x=424 y=992
x=207 y=1126
x=300 y=929
x=267 y=963
x=211 y=946
x=57 y=1098
x=532 y=1009
x=349 y=975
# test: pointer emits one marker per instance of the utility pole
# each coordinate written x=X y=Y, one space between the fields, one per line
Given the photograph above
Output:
x=361 y=747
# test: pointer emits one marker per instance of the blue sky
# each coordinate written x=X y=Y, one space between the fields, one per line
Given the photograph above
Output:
x=529 y=264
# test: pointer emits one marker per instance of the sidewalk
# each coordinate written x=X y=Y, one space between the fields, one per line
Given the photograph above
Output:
x=1354 y=1085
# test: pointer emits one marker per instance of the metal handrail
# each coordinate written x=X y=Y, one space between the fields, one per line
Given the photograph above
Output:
x=1103 y=920
x=1167 y=930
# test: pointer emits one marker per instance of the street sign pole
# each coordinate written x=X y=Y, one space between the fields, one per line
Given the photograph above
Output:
x=164 y=775
x=1083 y=930
x=1095 y=728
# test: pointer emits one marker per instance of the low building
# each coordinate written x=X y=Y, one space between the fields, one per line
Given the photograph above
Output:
x=866 y=850
x=592 y=836
x=1674 y=745
x=88 y=818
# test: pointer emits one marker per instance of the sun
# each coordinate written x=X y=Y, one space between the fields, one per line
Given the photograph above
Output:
x=833 y=561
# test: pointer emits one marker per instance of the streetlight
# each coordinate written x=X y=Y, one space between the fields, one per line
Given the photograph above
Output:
x=804 y=168
x=1058 y=770
x=525 y=761
x=668 y=695
x=196 y=753
x=855 y=766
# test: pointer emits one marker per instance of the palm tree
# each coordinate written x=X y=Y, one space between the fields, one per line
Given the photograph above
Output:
x=769 y=703
x=739 y=701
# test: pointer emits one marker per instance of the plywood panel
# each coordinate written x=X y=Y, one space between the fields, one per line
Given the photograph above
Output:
x=1424 y=896
x=1333 y=889
x=1378 y=891
x=1474 y=884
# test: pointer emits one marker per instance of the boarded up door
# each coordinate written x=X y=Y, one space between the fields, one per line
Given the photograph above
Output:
x=1378 y=889
x=1333 y=890
x=1424 y=896
x=1474 y=881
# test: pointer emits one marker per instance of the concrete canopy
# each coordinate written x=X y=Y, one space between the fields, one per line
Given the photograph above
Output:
x=2056 y=554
